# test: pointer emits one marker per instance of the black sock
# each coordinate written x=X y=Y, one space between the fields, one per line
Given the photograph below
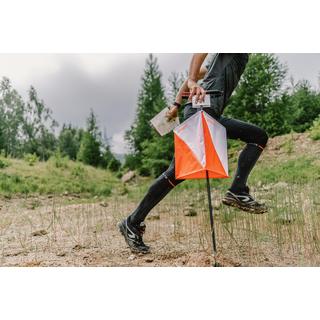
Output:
x=247 y=159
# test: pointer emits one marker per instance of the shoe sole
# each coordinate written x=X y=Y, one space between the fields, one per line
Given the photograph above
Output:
x=133 y=249
x=238 y=205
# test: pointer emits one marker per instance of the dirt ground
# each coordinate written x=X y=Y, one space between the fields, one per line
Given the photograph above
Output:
x=58 y=231
x=56 y=234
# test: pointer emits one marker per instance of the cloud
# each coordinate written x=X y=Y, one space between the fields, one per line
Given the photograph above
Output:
x=110 y=91
x=71 y=84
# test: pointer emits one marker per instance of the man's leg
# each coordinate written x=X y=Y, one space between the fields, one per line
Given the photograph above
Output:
x=256 y=139
x=133 y=227
x=158 y=190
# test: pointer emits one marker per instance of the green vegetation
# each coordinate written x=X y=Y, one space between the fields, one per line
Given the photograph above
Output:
x=259 y=97
x=27 y=130
x=302 y=170
x=56 y=176
x=315 y=129
x=31 y=159
x=263 y=98
x=151 y=154
x=141 y=137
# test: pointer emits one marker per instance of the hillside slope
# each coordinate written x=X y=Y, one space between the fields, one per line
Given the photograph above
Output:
x=56 y=176
x=292 y=158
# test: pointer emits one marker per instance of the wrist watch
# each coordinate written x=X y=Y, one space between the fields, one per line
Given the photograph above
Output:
x=177 y=104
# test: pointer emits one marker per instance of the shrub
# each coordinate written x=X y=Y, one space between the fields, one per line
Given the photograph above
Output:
x=78 y=171
x=4 y=163
x=59 y=160
x=104 y=191
x=315 y=129
x=31 y=159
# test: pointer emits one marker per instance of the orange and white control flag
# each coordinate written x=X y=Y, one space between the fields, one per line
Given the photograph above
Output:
x=200 y=145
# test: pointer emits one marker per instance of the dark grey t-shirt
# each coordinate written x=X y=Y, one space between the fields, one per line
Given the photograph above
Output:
x=224 y=72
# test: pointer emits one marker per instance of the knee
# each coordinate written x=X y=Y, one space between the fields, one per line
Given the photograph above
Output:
x=170 y=177
x=261 y=138
x=264 y=138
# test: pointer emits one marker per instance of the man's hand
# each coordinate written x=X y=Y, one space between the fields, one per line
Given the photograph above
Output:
x=194 y=70
x=172 y=113
x=196 y=90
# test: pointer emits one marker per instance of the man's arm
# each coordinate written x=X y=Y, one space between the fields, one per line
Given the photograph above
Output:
x=173 y=112
x=195 y=65
x=184 y=88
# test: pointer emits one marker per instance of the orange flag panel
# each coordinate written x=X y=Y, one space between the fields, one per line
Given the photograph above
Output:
x=200 y=145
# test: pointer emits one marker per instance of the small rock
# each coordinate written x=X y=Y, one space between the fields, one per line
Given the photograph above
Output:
x=189 y=212
x=61 y=254
x=217 y=205
x=149 y=260
x=154 y=217
x=39 y=233
x=132 y=257
x=237 y=264
x=66 y=193
x=14 y=254
x=104 y=204
x=78 y=247
x=34 y=263
x=267 y=187
x=128 y=176
x=50 y=196
x=33 y=204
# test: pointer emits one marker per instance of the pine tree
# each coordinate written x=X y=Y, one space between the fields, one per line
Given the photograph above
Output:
x=158 y=151
x=90 y=147
x=69 y=141
x=109 y=161
x=151 y=100
x=306 y=103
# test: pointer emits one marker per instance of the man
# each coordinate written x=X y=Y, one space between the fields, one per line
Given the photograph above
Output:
x=222 y=74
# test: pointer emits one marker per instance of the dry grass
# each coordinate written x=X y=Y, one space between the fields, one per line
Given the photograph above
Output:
x=54 y=233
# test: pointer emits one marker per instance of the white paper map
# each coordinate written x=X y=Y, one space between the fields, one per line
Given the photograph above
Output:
x=161 y=123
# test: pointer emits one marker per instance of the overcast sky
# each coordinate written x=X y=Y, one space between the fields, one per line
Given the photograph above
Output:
x=71 y=84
